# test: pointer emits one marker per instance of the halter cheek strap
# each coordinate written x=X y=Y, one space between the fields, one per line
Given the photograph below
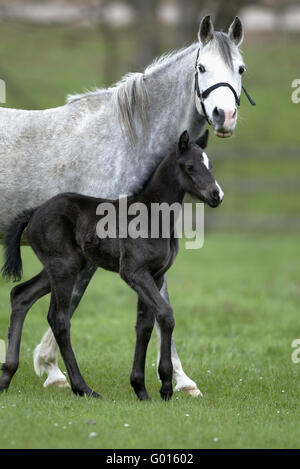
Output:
x=202 y=95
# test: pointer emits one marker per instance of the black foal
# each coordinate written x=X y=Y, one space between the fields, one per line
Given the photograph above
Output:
x=64 y=234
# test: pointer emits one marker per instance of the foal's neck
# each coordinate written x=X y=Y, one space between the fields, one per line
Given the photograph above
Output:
x=164 y=184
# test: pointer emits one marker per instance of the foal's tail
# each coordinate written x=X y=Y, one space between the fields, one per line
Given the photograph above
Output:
x=12 y=268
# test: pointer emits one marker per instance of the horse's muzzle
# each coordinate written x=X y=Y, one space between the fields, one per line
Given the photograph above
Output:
x=223 y=122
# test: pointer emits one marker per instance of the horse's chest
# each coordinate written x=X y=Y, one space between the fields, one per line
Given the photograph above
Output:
x=166 y=254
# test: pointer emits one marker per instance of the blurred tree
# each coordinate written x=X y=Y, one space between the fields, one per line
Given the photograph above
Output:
x=189 y=14
x=109 y=36
x=148 y=32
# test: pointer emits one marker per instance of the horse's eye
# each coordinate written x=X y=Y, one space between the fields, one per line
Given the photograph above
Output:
x=201 y=68
x=242 y=69
x=189 y=167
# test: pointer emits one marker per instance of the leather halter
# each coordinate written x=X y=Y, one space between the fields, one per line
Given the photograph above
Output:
x=202 y=95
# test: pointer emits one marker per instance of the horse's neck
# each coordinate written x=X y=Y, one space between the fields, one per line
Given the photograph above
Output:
x=171 y=97
x=164 y=185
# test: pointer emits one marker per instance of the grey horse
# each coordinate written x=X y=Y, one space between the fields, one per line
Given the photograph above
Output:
x=106 y=143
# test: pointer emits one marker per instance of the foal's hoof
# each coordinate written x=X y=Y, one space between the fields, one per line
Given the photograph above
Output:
x=166 y=394
x=94 y=394
x=143 y=396
x=87 y=392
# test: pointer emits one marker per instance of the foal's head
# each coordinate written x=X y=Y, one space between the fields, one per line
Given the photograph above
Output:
x=195 y=176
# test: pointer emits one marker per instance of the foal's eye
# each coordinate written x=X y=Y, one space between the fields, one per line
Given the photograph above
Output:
x=189 y=167
x=201 y=68
x=242 y=68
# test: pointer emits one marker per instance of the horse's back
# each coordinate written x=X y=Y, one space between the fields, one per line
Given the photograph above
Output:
x=43 y=153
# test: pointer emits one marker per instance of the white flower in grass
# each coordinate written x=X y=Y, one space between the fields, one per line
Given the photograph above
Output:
x=126 y=425
x=92 y=434
x=216 y=439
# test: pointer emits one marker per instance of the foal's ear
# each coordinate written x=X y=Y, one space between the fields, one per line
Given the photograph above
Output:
x=183 y=142
x=202 y=141
x=206 y=30
x=236 y=31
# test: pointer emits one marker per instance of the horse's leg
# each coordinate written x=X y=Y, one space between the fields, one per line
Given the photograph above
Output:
x=144 y=327
x=59 y=320
x=149 y=294
x=45 y=354
x=63 y=274
x=23 y=296
x=183 y=382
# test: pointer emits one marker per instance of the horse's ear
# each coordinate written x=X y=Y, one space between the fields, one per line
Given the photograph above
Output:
x=206 y=30
x=183 y=141
x=236 y=31
x=202 y=141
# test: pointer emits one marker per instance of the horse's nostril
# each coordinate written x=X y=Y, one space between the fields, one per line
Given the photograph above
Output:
x=216 y=195
x=234 y=114
x=216 y=112
x=218 y=116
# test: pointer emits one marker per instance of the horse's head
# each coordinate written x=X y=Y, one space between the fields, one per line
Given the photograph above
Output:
x=218 y=75
x=195 y=174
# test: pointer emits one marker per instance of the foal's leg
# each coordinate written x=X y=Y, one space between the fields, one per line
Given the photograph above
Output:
x=145 y=286
x=62 y=287
x=183 y=382
x=22 y=298
x=45 y=354
x=144 y=327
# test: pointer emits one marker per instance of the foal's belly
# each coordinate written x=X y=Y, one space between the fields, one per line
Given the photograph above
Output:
x=105 y=255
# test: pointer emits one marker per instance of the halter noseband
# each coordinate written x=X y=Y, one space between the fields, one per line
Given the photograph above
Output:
x=202 y=95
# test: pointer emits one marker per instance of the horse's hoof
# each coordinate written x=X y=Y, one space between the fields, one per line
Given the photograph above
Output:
x=94 y=394
x=143 y=396
x=194 y=392
x=166 y=394
x=86 y=391
x=57 y=383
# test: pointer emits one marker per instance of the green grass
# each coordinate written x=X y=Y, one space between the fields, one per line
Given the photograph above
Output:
x=236 y=303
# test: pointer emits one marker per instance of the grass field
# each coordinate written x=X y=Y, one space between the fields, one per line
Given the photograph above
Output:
x=236 y=303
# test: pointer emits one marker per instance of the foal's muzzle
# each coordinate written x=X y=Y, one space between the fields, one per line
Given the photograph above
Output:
x=213 y=196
